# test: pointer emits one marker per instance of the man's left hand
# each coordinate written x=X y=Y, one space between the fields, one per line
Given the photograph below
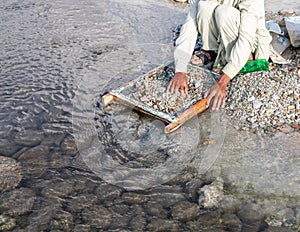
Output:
x=217 y=93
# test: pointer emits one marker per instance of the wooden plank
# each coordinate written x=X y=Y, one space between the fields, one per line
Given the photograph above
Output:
x=199 y=107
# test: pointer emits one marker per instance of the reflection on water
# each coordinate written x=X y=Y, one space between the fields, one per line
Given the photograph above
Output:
x=56 y=59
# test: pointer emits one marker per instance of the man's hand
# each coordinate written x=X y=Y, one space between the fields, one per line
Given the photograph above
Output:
x=217 y=93
x=179 y=83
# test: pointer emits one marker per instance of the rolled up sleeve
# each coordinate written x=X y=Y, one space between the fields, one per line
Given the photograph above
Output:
x=185 y=43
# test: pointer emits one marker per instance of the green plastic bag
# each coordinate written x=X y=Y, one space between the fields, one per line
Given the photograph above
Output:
x=255 y=65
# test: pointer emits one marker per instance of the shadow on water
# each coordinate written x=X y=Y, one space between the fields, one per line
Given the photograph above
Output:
x=56 y=59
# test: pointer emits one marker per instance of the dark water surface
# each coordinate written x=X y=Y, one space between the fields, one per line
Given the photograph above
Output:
x=56 y=58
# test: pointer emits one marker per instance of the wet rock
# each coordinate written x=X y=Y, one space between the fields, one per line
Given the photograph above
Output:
x=97 y=216
x=185 y=211
x=231 y=222
x=211 y=195
x=166 y=195
x=251 y=214
x=207 y=221
x=7 y=223
x=62 y=221
x=35 y=161
x=155 y=210
x=44 y=210
x=57 y=189
x=230 y=204
x=8 y=148
x=58 y=160
x=134 y=198
x=29 y=138
x=137 y=223
x=122 y=214
x=108 y=192
x=192 y=188
x=17 y=201
x=181 y=179
x=77 y=203
x=162 y=225
x=82 y=228
x=10 y=173
x=78 y=162
x=68 y=145
x=284 y=217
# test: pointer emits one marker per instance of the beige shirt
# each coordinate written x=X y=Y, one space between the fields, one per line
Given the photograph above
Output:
x=253 y=36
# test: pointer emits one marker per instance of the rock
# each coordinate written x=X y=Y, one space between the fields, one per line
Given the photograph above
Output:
x=8 y=148
x=108 y=192
x=29 y=138
x=251 y=213
x=256 y=104
x=62 y=221
x=231 y=222
x=82 y=228
x=284 y=217
x=185 y=211
x=97 y=216
x=166 y=195
x=77 y=203
x=207 y=221
x=68 y=145
x=134 y=198
x=162 y=225
x=7 y=223
x=211 y=195
x=58 y=189
x=230 y=204
x=155 y=210
x=17 y=201
x=137 y=223
x=286 y=12
x=35 y=161
x=10 y=173
x=181 y=179
x=192 y=188
x=44 y=211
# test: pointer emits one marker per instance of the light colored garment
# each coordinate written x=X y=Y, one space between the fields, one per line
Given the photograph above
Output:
x=232 y=28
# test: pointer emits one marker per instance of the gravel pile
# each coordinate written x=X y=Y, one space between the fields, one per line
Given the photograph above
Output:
x=265 y=101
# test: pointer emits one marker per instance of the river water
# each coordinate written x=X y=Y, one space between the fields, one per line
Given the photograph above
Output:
x=57 y=58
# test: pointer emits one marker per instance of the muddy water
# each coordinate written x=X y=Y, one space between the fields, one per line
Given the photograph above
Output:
x=56 y=59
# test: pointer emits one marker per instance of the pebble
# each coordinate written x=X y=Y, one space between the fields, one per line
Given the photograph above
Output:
x=7 y=223
x=161 y=225
x=68 y=145
x=185 y=211
x=251 y=213
x=10 y=173
x=230 y=204
x=97 y=216
x=134 y=198
x=211 y=195
x=35 y=160
x=58 y=189
x=17 y=201
x=29 y=138
x=231 y=222
x=108 y=192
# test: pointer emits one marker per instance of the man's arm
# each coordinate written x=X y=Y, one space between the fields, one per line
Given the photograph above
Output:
x=185 y=45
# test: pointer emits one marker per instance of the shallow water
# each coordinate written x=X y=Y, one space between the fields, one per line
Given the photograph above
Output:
x=57 y=58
